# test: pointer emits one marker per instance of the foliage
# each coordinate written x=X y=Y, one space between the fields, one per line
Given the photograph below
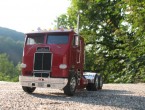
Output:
x=8 y=72
x=114 y=34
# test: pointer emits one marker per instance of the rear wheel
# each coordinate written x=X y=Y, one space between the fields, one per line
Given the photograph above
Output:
x=96 y=83
x=100 y=82
x=70 y=88
x=89 y=87
x=93 y=86
x=29 y=89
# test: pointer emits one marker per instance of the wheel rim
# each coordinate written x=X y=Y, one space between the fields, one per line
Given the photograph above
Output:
x=73 y=83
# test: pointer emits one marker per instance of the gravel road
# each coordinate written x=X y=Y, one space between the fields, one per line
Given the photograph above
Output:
x=111 y=97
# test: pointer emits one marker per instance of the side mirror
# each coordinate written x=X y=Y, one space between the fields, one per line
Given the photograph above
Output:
x=77 y=40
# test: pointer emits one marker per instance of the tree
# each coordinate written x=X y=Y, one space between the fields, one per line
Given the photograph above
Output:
x=135 y=19
x=114 y=34
x=8 y=72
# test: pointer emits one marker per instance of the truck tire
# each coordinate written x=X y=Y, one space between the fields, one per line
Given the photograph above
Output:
x=89 y=87
x=29 y=89
x=93 y=86
x=70 y=88
x=100 y=82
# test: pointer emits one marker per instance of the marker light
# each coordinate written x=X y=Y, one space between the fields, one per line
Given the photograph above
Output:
x=61 y=28
x=39 y=29
x=62 y=66
x=23 y=65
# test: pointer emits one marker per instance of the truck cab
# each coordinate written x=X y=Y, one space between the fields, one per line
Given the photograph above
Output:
x=55 y=59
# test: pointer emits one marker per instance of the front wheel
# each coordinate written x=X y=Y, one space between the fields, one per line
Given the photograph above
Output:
x=70 y=88
x=29 y=89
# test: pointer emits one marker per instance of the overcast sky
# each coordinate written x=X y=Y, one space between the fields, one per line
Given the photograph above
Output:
x=27 y=15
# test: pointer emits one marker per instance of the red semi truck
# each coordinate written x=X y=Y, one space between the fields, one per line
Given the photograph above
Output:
x=55 y=59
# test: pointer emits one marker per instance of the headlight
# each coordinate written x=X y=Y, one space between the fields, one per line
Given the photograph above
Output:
x=62 y=66
x=23 y=65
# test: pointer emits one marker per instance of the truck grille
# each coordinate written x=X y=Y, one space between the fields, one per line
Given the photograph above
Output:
x=42 y=61
x=41 y=74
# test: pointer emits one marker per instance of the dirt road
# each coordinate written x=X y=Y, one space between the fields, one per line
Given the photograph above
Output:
x=111 y=97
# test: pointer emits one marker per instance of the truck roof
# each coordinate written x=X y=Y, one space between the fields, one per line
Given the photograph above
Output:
x=52 y=31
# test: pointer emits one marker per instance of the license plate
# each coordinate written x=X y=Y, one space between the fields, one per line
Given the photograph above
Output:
x=40 y=84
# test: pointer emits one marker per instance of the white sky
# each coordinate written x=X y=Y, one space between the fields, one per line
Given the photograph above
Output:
x=27 y=15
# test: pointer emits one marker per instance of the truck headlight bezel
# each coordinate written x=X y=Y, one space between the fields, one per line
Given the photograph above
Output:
x=23 y=65
x=62 y=66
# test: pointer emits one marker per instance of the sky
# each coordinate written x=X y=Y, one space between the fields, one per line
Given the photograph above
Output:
x=28 y=15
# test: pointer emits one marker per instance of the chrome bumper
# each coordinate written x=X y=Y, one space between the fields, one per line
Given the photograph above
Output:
x=30 y=81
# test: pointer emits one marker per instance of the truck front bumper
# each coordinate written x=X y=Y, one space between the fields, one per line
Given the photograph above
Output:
x=31 y=81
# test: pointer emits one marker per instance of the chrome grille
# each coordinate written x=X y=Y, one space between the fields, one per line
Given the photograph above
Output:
x=42 y=61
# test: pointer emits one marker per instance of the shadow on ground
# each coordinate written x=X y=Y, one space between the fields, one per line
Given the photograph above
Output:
x=116 y=98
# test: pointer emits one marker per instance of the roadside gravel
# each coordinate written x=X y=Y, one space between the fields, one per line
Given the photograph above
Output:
x=111 y=97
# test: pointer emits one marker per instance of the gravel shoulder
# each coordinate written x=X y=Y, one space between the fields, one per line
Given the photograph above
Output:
x=111 y=97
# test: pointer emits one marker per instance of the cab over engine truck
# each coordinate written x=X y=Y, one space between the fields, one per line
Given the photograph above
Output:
x=55 y=59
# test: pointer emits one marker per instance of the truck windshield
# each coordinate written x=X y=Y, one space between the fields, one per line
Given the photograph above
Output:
x=57 y=39
x=35 y=39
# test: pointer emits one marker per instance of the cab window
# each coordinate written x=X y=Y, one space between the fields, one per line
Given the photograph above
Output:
x=57 y=39
x=35 y=39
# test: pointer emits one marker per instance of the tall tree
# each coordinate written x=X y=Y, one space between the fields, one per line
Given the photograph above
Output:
x=113 y=35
